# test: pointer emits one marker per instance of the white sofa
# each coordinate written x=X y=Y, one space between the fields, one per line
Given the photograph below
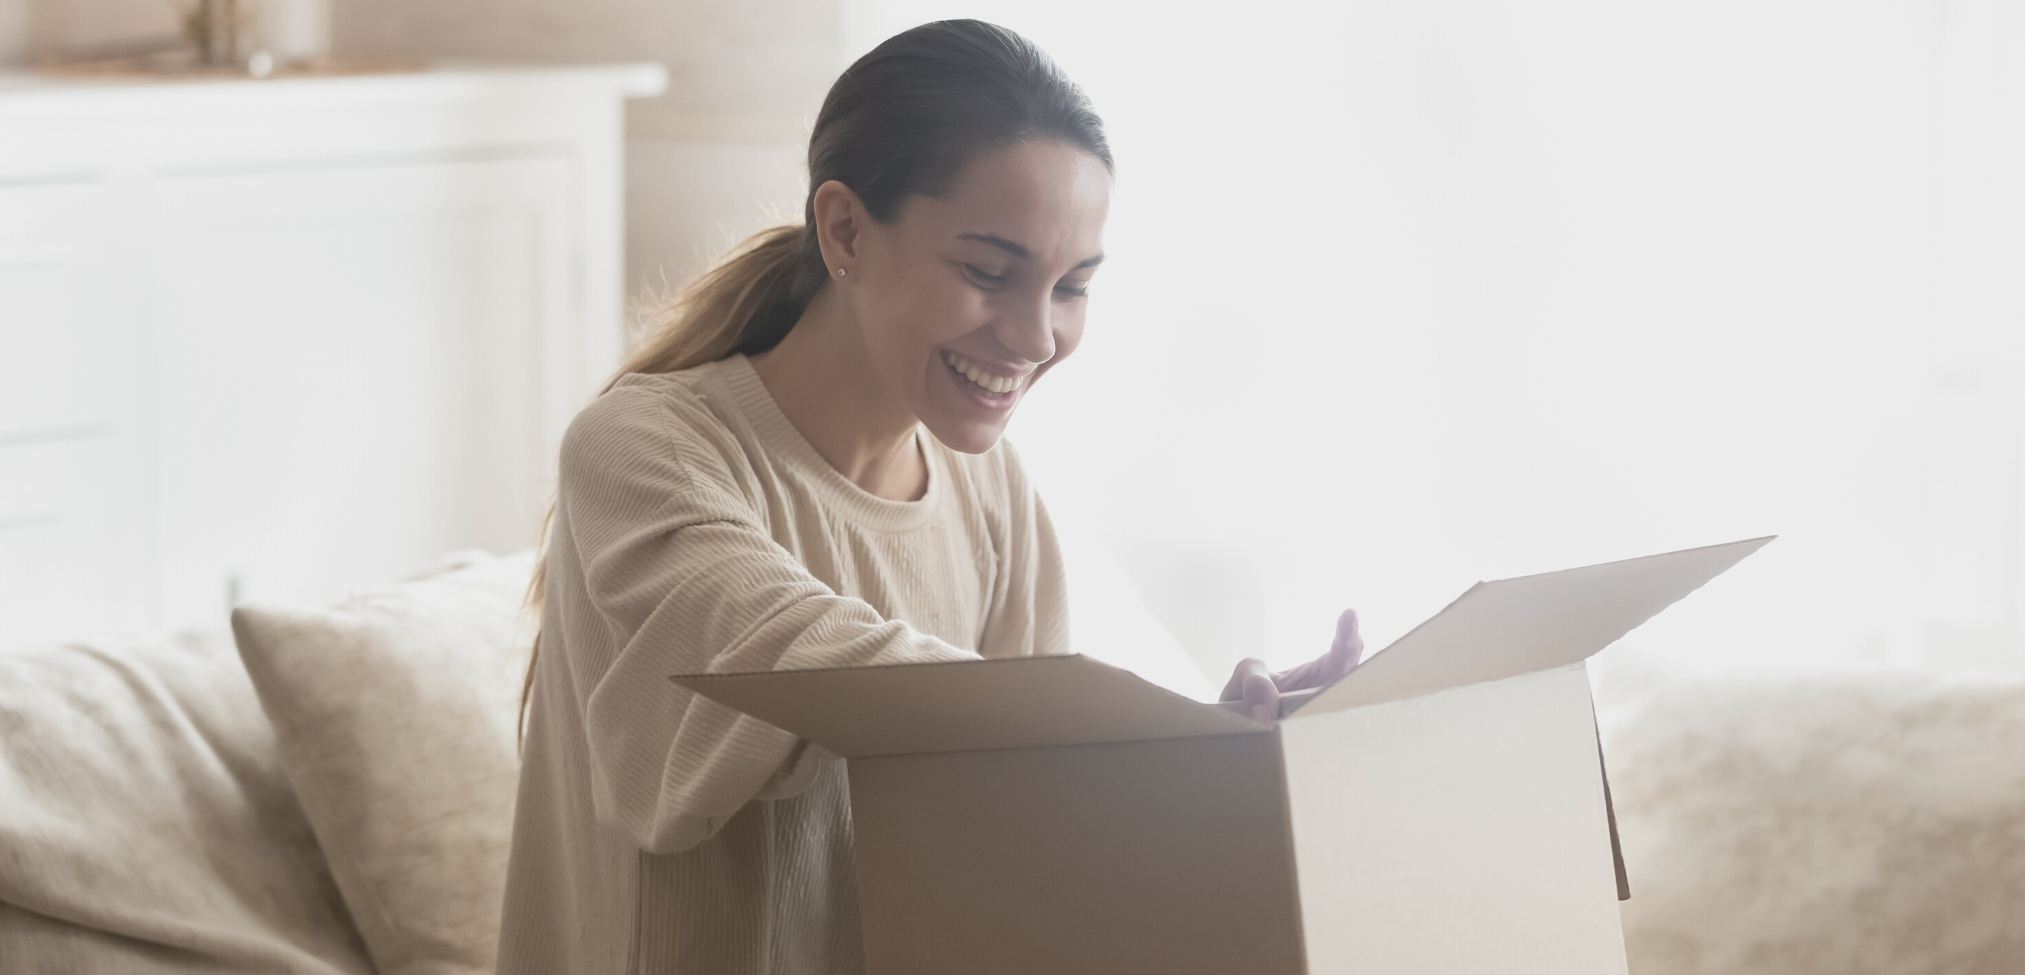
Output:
x=154 y=819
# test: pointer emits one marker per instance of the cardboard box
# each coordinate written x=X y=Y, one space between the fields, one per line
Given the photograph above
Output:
x=1443 y=809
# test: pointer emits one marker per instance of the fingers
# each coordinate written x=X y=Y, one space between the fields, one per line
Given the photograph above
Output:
x=1345 y=653
x=1253 y=684
x=1348 y=649
x=1233 y=690
x=1346 y=627
x=1289 y=679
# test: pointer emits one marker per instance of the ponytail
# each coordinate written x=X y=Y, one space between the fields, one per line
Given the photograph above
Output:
x=747 y=303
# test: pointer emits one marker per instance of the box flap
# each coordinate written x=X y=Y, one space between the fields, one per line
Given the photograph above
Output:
x=1291 y=701
x=1509 y=627
x=942 y=706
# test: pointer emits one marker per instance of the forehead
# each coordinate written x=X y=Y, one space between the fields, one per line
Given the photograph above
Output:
x=1047 y=196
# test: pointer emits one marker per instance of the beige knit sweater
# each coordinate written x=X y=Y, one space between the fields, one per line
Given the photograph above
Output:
x=697 y=530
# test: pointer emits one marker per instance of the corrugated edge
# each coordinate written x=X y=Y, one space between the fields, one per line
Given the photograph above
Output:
x=1609 y=809
x=1293 y=861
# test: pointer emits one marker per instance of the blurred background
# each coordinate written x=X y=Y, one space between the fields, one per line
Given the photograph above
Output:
x=1399 y=297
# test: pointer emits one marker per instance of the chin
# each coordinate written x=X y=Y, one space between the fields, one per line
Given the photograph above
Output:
x=967 y=438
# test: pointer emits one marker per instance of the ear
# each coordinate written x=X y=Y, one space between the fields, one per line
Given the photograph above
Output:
x=840 y=217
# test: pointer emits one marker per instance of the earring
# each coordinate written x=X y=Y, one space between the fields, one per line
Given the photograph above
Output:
x=840 y=272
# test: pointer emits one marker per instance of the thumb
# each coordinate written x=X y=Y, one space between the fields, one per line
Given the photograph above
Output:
x=1234 y=689
x=1262 y=696
x=1253 y=684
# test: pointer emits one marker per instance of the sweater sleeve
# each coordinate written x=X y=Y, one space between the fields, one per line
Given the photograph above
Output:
x=682 y=577
x=1029 y=614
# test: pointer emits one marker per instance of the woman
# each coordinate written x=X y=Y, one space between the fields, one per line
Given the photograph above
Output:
x=755 y=490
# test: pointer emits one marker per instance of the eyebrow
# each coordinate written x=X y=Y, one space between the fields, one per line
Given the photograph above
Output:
x=1021 y=252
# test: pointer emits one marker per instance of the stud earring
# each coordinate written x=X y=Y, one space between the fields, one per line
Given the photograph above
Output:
x=840 y=272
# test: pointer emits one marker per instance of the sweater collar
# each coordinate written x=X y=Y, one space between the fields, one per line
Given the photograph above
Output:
x=782 y=438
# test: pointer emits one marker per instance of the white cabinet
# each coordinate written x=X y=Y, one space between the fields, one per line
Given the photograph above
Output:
x=287 y=339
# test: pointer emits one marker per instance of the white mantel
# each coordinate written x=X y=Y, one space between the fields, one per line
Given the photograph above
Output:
x=448 y=77
x=275 y=339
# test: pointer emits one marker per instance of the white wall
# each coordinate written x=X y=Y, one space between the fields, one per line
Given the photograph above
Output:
x=706 y=160
x=1406 y=295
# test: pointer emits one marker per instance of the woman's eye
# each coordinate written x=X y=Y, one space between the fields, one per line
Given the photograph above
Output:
x=986 y=278
x=998 y=279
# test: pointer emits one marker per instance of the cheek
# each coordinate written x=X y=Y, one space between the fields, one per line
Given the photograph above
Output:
x=941 y=311
x=915 y=310
x=1068 y=335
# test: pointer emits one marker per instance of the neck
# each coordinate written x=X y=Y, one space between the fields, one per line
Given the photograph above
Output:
x=823 y=381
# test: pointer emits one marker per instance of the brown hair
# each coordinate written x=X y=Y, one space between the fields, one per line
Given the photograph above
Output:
x=901 y=121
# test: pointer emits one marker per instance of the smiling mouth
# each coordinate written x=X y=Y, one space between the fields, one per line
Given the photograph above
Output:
x=983 y=381
x=980 y=393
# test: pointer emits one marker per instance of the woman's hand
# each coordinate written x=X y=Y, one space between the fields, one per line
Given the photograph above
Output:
x=1260 y=688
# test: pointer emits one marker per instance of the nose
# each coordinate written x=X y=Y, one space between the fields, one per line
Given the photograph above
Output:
x=1031 y=333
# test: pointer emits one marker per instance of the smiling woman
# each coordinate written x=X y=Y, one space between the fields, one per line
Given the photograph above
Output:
x=804 y=466
x=954 y=324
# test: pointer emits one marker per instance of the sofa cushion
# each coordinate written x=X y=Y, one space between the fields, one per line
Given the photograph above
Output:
x=1809 y=822
x=395 y=713
x=145 y=823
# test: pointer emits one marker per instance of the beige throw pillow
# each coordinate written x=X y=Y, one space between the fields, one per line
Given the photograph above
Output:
x=146 y=826
x=394 y=711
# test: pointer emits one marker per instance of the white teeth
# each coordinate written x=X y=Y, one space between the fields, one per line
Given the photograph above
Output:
x=995 y=384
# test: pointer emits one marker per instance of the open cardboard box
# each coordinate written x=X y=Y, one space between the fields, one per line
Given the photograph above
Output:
x=1442 y=808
